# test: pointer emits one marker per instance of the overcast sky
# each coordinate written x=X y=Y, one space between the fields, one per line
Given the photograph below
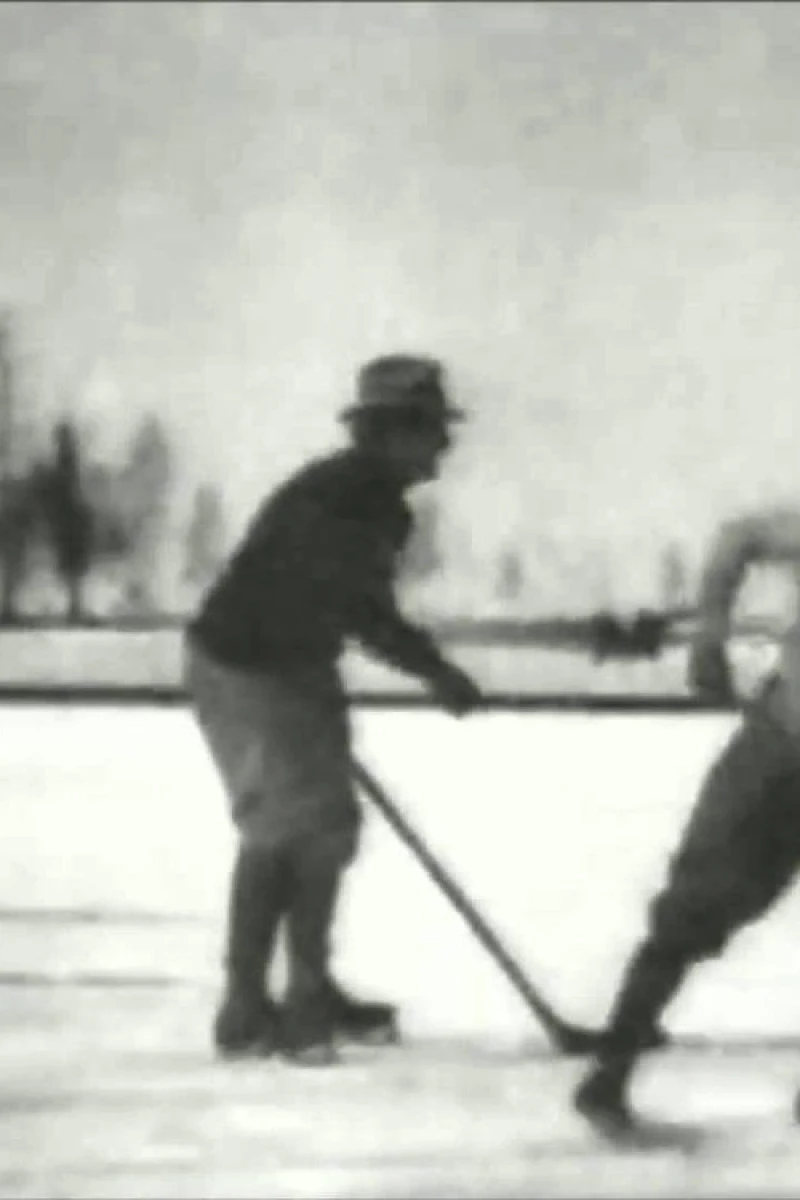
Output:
x=589 y=210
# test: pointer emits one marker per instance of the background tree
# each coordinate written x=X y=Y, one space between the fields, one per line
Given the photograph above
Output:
x=674 y=578
x=19 y=518
x=145 y=491
x=510 y=577
x=8 y=399
x=18 y=485
x=205 y=537
x=68 y=518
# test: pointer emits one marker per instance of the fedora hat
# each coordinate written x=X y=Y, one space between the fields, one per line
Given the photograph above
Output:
x=403 y=384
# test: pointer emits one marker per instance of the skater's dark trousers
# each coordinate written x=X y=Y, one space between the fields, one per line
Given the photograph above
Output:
x=258 y=897
x=737 y=856
x=298 y=883
x=315 y=867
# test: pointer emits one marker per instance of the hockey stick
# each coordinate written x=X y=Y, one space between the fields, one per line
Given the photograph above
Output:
x=568 y=1038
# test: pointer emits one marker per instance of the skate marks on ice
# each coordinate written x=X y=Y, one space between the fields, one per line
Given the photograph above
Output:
x=116 y=1094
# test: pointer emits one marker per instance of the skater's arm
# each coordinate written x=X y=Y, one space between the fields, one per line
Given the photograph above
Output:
x=354 y=563
x=768 y=536
x=386 y=632
x=732 y=551
x=382 y=628
x=353 y=573
x=375 y=619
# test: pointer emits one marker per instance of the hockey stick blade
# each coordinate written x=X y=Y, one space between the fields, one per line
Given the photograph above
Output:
x=568 y=1038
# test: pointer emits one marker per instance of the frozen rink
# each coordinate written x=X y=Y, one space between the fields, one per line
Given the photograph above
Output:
x=112 y=881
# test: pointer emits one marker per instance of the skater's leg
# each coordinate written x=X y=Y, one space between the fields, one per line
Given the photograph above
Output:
x=281 y=745
x=735 y=859
x=651 y=980
x=246 y=1020
x=317 y=863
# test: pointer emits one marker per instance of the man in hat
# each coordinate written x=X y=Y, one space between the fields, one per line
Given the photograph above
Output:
x=315 y=567
x=741 y=847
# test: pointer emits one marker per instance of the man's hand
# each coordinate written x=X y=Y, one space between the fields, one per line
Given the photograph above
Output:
x=453 y=689
x=709 y=671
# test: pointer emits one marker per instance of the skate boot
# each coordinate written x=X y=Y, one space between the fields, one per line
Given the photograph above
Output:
x=246 y=1025
x=307 y=1030
x=601 y=1100
x=370 y=1023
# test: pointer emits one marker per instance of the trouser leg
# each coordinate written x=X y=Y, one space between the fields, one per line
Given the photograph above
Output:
x=257 y=902
x=317 y=868
x=738 y=854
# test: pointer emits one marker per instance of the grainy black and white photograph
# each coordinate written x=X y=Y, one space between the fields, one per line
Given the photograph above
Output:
x=399 y=613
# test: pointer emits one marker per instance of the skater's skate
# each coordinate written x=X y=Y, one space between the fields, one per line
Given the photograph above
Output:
x=246 y=1025
x=371 y=1023
x=602 y=1102
x=308 y=1029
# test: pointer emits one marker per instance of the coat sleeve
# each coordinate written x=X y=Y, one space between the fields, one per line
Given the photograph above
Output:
x=381 y=628
x=769 y=536
x=362 y=567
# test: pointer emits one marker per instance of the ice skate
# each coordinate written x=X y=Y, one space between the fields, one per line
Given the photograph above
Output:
x=371 y=1023
x=602 y=1103
x=246 y=1026
x=307 y=1031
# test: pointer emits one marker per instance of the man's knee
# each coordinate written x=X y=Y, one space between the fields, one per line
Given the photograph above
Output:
x=326 y=851
x=734 y=795
x=707 y=902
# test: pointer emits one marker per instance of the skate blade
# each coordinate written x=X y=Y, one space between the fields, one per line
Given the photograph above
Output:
x=311 y=1057
x=642 y=1135
x=385 y=1035
x=249 y=1053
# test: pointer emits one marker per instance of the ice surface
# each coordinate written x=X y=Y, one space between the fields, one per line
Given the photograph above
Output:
x=558 y=826
x=115 y=854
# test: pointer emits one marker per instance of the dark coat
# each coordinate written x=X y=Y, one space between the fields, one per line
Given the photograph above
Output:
x=315 y=568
